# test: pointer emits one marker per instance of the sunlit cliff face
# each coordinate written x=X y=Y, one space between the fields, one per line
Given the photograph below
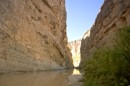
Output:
x=76 y=61
x=75 y=50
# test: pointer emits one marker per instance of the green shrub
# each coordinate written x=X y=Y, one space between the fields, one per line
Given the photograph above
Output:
x=109 y=66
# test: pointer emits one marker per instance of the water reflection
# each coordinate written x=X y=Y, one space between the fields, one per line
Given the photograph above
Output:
x=76 y=72
x=48 y=78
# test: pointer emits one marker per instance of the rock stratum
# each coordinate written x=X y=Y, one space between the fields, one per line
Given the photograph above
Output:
x=114 y=14
x=33 y=35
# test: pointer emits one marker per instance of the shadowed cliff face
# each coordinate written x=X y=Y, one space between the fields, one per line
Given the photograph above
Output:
x=114 y=14
x=33 y=35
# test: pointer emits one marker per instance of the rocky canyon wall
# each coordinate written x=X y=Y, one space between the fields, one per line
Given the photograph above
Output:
x=75 y=47
x=114 y=14
x=33 y=35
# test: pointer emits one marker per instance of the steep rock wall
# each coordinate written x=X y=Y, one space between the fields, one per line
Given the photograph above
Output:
x=114 y=14
x=33 y=35
x=75 y=47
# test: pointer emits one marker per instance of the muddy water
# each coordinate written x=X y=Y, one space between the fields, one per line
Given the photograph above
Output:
x=48 y=78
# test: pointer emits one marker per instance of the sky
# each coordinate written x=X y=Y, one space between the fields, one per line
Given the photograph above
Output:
x=81 y=15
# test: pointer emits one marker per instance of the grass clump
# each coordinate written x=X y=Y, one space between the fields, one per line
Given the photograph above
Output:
x=110 y=66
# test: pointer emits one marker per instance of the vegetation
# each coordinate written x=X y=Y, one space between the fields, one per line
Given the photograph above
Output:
x=110 y=66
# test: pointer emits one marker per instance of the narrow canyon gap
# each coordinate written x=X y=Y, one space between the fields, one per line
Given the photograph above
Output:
x=80 y=16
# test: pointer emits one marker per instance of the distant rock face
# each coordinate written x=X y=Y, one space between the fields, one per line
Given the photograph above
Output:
x=75 y=50
x=114 y=14
x=75 y=47
x=33 y=35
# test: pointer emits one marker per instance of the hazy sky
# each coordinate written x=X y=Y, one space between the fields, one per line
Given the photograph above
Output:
x=81 y=16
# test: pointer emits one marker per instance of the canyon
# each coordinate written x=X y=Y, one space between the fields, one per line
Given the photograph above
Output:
x=33 y=38
x=33 y=35
x=114 y=14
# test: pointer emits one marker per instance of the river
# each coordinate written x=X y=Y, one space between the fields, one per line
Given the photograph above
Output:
x=46 y=78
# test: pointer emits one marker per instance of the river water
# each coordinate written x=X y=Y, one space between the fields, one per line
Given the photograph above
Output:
x=46 y=78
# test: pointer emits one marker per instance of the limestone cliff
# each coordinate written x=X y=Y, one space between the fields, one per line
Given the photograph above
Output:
x=75 y=50
x=114 y=14
x=75 y=47
x=33 y=35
